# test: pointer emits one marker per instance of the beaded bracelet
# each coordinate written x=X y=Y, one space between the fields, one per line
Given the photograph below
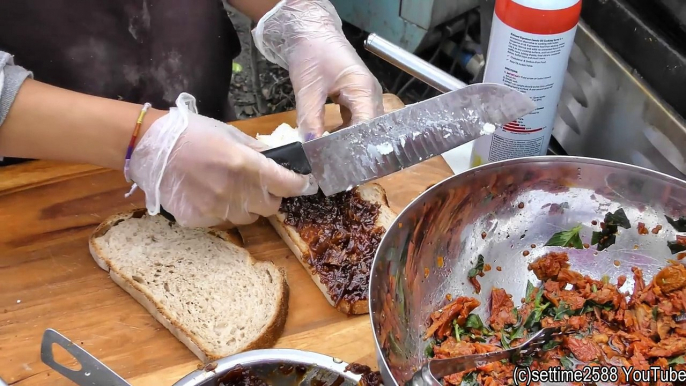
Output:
x=132 y=143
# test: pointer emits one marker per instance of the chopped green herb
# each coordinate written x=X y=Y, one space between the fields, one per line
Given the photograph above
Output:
x=562 y=310
x=608 y=235
x=474 y=321
x=655 y=313
x=429 y=350
x=549 y=345
x=585 y=309
x=590 y=305
x=535 y=316
x=458 y=330
x=529 y=290
x=505 y=341
x=679 y=225
x=526 y=362
x=518 y=334
x=479 y=339
x=605 y=279
x=617 y=218
x=478 y=268
x=675 y=247
x=469 y=380
x=531 y=324
x=539 y=296
x=566 y=363
x=676 y=360
x=531 y=319
x=594 y=288
x=606 y=241
x=568 y=238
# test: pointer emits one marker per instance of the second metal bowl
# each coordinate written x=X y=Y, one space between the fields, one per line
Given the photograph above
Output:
x=276 y=367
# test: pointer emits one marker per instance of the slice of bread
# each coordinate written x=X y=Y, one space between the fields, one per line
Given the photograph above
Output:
x=198 y=283
x=370 y=192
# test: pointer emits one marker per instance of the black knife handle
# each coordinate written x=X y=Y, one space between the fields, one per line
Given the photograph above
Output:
x=167 y=215
x=291 y=156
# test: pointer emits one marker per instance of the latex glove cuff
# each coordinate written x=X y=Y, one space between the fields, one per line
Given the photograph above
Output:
x=151 y=156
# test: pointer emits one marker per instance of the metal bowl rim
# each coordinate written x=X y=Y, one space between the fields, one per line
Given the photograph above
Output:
x=280 y=355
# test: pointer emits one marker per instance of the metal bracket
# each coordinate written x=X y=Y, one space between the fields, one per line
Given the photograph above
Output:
x=92 y=372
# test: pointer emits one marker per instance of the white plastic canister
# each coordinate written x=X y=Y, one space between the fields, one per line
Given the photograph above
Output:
x=529 y=47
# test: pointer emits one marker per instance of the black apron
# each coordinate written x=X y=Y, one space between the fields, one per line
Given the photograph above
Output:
x=133 y=50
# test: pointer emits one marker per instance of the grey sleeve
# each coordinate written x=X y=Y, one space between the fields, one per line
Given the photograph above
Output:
x=11 y=79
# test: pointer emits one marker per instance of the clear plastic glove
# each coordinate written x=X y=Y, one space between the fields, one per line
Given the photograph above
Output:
x=306 y=38
x=206 y=173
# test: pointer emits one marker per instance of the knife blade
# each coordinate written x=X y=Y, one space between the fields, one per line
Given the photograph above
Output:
x=352 y=156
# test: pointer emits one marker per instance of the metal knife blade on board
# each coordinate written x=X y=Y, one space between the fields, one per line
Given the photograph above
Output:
x=352 y=156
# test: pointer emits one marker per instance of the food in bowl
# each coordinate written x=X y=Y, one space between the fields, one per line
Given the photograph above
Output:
x=604 y=328
x=367 y=376
x=242 y=376
x=605 y=325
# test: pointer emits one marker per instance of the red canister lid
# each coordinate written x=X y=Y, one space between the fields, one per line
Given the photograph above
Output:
x=541 y=17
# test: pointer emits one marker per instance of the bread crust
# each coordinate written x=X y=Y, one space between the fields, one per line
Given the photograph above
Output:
x=139 y=292
x=371 y=192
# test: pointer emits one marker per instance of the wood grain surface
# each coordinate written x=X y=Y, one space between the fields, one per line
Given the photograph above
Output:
x=49 y=280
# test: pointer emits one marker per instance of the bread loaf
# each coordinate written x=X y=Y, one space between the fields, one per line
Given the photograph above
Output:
x=198 y=283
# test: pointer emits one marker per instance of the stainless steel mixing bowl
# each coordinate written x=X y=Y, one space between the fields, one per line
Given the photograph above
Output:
x=514 y=205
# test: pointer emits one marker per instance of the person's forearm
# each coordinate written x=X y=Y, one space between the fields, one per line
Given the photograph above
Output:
x=254 y=9
x=47 y=122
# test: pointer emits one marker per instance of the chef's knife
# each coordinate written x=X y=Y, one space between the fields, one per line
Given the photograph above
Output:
x=394 y=141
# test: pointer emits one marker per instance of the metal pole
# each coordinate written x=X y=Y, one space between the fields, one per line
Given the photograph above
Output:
x=412 y=64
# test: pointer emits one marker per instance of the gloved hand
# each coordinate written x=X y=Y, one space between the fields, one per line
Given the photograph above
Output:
x=306 y=37
x=205 y=172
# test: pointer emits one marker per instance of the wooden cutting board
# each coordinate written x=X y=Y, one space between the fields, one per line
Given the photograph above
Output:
x=49 y=280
